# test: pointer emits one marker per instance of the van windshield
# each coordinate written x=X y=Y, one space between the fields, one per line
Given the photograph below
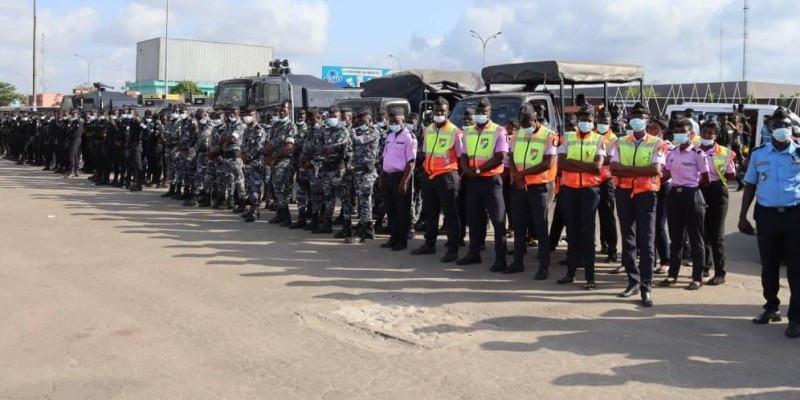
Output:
x=504 y=109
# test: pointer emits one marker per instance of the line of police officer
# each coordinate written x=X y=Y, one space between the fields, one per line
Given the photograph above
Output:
x=239 y=163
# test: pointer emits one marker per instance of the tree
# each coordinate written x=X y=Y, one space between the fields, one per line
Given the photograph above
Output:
x=186 y=88
x=8 y=94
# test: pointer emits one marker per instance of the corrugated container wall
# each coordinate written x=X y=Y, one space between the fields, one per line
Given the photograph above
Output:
x=199 y=61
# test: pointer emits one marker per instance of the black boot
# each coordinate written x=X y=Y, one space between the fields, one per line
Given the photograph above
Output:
x=178 y=195
x=204 y=199
x=279 y=217
x=368 y=232
x=240 y=207
x=191 y=201
x=186 y=193
x=136 y=187
x=338 y=220
x=314 y=223
x=346 y=232
x=229 y=203
x=301 y=221
x=287 y=217
x=219 y=201
x=170 y=192
x=324 y=226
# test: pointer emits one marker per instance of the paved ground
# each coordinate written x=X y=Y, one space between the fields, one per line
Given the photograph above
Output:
x=106 y=294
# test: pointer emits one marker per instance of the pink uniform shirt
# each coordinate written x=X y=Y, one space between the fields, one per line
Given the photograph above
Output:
x=686 y=166
x=400 y=148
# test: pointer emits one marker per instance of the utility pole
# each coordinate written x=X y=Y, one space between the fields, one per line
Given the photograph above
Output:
x=166 y=49
x=720 y=51
x=44 y=87
x=746 y=9
x=483 y=41
x=33 y=81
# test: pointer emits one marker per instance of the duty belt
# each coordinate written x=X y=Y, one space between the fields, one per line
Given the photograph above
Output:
x=781 y=210
x=681 y=189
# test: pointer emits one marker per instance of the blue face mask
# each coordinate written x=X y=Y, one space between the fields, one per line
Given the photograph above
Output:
x=585 y=126
x=395 y=128
x=381 y=125
x=781 y=134
x=332 y=122
x=481 y=119
x=680 y=138
x=638 y=124
x=362 y=128
x=603 y=128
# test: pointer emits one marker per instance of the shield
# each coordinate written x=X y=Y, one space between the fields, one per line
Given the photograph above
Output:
x=484 y=143
x=442 y=142
x=534 y=153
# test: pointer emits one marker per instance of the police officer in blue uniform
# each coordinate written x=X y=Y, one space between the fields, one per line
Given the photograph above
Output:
x=773 y=180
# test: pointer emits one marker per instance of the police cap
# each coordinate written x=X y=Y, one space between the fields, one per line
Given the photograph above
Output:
x=364 y=111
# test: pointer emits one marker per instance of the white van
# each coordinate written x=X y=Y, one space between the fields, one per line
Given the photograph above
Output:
x=755 y=114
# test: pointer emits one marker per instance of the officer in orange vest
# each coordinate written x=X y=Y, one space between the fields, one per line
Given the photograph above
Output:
x=721 y=162
x=580 y=159
x=636 y=161
x=533 y=169
x=484 y=146
x=607 y=208
x=441 y=143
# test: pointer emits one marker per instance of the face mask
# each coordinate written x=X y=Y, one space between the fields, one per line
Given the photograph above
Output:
x=680 y=138
x=148 y=120
x=782 y=134
x=362 y=128
x=381 y=125
x=184 y=116
x=24 y=118
x=707 y=142
x=204 y=121
x=248 y=119
x=174 y=116
x=439 y=119
x=481 y=119
x=395 y=128
x=114 y=117
x=603 y=128
x=638 y=124
x=92 y=118
x=332 y=122
x=232 y=118
x=585 y=126
x=528 y=131
x=102 y=118
x=275 y=120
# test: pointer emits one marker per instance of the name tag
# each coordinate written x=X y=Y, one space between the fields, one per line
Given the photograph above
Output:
x=688 y=164
x=762 y=163
x=399 y=142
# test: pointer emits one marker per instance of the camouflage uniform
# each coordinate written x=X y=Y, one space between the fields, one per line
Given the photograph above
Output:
x=254 y=172
x=312 y=152
x=234 y=177
x=203 y=144
x=171 y=134
x=364 y=174
x=281 y=134
x=215 y=173
x=379 y=205
x=336 y=148
x=187 y=150
x=302 y=174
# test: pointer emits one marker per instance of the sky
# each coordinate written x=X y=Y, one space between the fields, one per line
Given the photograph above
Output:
x=675 y=40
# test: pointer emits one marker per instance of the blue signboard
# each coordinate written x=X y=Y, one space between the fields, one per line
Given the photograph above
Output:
x=351 y=76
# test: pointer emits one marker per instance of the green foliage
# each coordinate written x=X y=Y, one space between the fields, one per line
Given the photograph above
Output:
x=8 y=94
x=186 y=88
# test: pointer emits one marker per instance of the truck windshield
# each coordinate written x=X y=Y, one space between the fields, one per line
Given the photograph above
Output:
x=231 y=95
x=504 y=109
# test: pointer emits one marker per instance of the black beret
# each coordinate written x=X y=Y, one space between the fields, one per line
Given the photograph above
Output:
x=364 y=111
x=780 y=113
x=394 y=112
x=604 y=113
x=639 y=108
x=251 y=108
x=413 y=115
x=346 y=110
x=484 y=102
x=334 y=109
x=710 y=124
x=586 y=111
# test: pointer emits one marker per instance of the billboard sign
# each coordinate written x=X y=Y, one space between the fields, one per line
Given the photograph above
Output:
x=351 y=76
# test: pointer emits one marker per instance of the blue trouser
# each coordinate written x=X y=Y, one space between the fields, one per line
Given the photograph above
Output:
x=637 y=222
x=485 y=194
x=580 y=210
x=530 y=207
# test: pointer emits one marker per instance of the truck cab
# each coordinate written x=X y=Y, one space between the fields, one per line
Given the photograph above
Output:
x=507 y=106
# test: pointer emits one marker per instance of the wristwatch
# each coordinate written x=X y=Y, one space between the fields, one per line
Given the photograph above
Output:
x=477 y=171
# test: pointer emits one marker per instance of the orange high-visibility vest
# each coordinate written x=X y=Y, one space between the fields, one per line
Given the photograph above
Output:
x=480 y=147
x=632 y=154
x=582 y=149
x=440 y=153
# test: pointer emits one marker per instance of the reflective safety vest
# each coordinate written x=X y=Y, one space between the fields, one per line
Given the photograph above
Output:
x=605 y=170
x=583 y=150
x=632 y=154
x=529 y=152
x=440 y=153
x=480 y=147
x=722 y=156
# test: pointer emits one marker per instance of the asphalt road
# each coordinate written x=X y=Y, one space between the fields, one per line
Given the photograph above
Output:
x=106 y=294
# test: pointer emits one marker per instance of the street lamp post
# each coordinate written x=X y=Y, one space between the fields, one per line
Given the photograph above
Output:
x=478 y=36
x=399 y=65
x=88 y=67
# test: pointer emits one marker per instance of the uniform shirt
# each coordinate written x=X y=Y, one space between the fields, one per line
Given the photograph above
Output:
x=601 y=145
x=658 y=156
x=713 y=174
x=400 y=148
x=500 y=144
x=686 y=166
x=365 y=148
x=776 y=175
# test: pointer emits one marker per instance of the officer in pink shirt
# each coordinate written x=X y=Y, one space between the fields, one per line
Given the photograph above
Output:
x=399 y=155
x=688 y=168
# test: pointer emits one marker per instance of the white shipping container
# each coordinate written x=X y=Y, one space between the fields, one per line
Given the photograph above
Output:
x=199 y=61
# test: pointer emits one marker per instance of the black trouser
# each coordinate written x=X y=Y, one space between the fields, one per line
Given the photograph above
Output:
x=778 y=236
x=74 y=157
x=530 y=205
x=580 y=209
x=398 y=207
x=557 y=226
x=507 y=197
x=155 y=162
x=637 y=222
x=135 y=170
x=608 y=221
x=662 y=236
x=485 y=194
x=439 y=195
x=716 y=196
x=686 y=210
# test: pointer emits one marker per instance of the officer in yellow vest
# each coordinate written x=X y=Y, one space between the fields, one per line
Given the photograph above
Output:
x=484 y=146
x=606 y=211
x=636 y=161
x=440 y=185
x=580 y=159
x=533 y=169
x=721 y=160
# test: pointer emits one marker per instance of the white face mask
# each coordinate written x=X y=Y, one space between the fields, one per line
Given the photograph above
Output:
x=174 y=116
x=707 y=142
x=439 y=119
x=248 y=119
x=332 y=122
x=528 y=130
x=481 y=119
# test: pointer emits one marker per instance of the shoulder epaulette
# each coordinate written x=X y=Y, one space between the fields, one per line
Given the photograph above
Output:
x=758 y=147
